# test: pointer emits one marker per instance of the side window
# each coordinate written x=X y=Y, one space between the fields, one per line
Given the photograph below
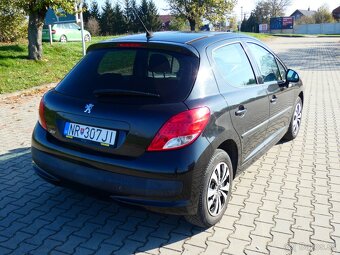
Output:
x=266 y=62
x=233 y=64
x=282 y=70
x=74 y=26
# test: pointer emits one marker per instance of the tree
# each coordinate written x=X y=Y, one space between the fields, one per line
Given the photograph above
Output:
x=232 y=23
x=262 y=12
x=148 y=13
x=13 y=25
x=118 y=20
x=36 y=10
x=278 y=7
x=195 y=10
x=86 y=12
x=107 y=17
x=94 y=10
x=179 y=24
x=154 y=22
x=323 y=15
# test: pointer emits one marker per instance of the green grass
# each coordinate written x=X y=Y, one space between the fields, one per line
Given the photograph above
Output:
x=290 y=35
x=259 y=36
x=17 y=72
x=325 y=35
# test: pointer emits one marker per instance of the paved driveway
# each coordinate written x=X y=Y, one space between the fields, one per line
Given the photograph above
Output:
x=287 y=202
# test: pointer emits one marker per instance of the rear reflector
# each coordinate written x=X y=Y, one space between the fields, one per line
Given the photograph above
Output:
x=181 y=130
x=42 y=119
x=53 y=31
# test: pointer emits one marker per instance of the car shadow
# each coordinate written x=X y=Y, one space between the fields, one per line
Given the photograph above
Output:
x=48 y=214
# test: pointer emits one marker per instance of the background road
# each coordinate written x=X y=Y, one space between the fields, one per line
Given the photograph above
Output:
x=287 y=202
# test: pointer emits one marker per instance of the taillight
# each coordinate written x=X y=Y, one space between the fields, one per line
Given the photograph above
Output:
x=53 y=31
x=181 y=130
x=42 y=120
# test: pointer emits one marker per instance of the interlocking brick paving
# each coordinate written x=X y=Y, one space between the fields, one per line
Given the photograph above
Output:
x=288 y=202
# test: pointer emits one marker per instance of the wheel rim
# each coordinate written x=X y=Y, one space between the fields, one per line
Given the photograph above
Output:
x=63 y=38
x=87 y=38
x=297 y=118
x=218 y=189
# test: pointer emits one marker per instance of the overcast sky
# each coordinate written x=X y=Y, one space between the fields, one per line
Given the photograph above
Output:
x=249 y=5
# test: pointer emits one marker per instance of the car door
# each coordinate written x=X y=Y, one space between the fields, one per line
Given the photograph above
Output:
x=280 y=97
x=247 y=100
x=75 y=31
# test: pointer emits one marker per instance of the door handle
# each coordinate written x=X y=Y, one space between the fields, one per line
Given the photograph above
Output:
x=241 y=111
x=273 y=99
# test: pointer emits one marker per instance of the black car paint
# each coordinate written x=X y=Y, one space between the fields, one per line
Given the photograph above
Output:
x=248 y=133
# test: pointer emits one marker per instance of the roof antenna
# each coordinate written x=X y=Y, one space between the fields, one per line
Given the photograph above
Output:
x=148 y=33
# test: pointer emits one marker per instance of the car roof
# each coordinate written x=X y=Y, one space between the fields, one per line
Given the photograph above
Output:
x=178 y=37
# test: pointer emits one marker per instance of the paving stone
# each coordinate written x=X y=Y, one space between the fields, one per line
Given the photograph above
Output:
x=287 y=202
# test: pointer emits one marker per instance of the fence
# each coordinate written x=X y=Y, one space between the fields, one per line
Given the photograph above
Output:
x=324 y=28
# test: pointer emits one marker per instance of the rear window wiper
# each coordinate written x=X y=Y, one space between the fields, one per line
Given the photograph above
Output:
x=120 y=92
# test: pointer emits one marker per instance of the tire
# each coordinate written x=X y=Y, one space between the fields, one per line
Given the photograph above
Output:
x=295 y=123
x=87 y=38
x=214 y=195
x=63 y=39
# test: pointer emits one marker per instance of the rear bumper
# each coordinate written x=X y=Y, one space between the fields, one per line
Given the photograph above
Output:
x=174 y=193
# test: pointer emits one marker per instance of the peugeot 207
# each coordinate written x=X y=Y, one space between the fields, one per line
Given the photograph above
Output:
x=167 y=121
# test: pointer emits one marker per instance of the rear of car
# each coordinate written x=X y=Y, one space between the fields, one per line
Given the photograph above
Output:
x=115 y=121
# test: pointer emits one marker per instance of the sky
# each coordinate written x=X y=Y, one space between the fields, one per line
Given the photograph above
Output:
x=249 y=5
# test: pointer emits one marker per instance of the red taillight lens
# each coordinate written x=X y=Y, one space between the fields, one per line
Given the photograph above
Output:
x=181 y=130
x=53 y=31
x=42 y=120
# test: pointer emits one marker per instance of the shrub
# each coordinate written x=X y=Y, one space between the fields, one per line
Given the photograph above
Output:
x=93 y=26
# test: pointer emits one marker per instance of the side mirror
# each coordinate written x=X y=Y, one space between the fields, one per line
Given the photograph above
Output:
x=292 y=76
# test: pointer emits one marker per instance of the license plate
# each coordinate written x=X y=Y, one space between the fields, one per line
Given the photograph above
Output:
x=103 y=136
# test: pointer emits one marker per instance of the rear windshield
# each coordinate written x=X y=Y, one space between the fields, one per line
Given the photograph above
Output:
x=132 y=75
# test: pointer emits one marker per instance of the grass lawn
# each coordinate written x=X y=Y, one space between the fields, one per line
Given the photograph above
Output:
x=259 y=36
x=17 y=72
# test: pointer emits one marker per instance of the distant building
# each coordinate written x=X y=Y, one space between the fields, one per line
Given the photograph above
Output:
x=336 y=13
x=166 y=20
x=298 y=14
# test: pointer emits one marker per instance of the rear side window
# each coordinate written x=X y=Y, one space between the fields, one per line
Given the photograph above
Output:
x=168 y=76
x=233 y=65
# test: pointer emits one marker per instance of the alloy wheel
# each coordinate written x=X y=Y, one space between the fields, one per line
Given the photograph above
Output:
x=218 y=189
x=297 y=118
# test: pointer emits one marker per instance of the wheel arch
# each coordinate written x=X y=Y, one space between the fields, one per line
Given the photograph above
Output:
x=230 y=147
x=302 y=97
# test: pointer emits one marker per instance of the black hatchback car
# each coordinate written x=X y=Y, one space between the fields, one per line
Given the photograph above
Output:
x=166 y=122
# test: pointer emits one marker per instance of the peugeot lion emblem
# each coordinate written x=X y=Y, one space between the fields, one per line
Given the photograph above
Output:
x=88 y=108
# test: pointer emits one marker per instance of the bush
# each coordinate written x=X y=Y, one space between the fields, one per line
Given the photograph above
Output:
x=13 y=24
x=93 y=26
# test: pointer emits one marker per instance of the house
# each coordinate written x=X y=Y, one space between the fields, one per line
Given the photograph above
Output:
x=336 y=13
x=298 y=14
